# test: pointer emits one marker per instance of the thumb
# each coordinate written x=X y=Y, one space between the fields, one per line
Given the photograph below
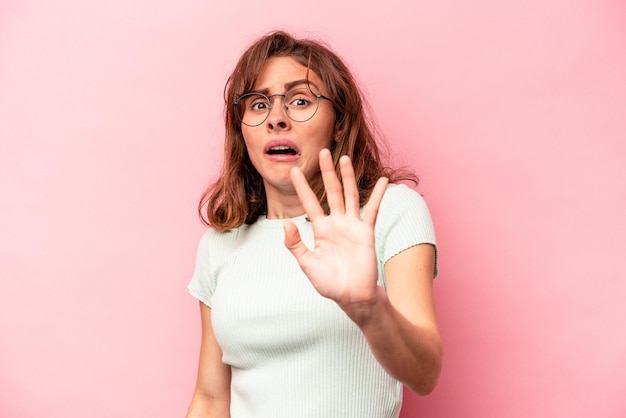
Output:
x=293 y=241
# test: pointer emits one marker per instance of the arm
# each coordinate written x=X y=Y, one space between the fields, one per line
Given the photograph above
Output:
x=211 y=398
x=399 y=325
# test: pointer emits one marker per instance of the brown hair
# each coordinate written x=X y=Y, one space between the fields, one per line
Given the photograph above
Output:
x=238 y=194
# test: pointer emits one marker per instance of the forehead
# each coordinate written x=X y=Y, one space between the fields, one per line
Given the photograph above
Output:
x=278 y=72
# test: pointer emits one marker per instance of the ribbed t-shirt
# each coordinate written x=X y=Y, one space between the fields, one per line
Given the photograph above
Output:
x=292 y=352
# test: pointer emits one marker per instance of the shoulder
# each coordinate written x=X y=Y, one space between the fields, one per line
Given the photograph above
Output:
x=403 y=221
x=213 y=249
x=399 y=198
x=217 y=243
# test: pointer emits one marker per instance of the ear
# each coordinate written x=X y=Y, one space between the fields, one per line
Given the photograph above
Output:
x=339 y=127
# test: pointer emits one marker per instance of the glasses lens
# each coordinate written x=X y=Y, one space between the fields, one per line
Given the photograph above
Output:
x=301 y=104
x=253 y=108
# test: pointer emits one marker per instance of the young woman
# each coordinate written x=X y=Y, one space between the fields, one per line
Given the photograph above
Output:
x=315 y=276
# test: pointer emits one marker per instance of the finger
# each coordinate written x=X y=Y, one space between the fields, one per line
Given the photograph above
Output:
x=371 y=208
x=351 y=190
x=293 y=241
x=334 y=192
x=307 y=198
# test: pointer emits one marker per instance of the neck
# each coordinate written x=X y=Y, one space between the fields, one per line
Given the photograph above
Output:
x=283 y=206
x=284 y=212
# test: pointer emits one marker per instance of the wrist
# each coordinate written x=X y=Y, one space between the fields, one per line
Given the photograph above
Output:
x=365 y=313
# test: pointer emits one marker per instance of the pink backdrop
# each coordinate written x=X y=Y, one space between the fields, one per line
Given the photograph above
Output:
x=513 y=113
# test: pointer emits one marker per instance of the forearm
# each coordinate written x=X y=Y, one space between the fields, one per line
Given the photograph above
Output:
x=205 y=406
x=411 y=353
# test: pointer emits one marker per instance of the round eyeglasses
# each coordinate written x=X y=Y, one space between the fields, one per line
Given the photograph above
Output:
x=300 y=105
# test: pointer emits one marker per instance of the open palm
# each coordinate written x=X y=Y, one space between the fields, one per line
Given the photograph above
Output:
x=342 y=265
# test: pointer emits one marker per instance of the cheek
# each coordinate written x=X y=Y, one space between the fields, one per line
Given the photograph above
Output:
x=249 y=141
x=324 y=133
x=249 y=147
x=329 y=128
x=245 y=133
x=330 y=136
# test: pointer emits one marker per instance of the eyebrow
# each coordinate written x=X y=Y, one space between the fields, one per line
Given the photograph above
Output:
x=289 y=86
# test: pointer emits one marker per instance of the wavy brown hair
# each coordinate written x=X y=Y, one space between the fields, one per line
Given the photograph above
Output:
x=238 y=194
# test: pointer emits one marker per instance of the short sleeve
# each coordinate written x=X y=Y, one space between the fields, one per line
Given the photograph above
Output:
x=403 y=221
x=202 y=284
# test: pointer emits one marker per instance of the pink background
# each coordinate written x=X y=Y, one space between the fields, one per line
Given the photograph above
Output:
x=513 y=114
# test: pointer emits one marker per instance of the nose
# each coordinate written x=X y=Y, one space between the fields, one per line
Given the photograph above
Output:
x=277 y=119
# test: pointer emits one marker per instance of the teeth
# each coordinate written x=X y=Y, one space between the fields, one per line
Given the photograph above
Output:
x=282 y=150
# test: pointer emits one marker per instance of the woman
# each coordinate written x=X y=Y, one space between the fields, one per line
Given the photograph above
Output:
x=315 y=276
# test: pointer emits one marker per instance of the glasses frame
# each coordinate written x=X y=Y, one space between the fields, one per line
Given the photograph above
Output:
x=285 y=107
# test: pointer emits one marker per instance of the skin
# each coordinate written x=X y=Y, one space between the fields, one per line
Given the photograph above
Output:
x=308 y=137
x=399 y=324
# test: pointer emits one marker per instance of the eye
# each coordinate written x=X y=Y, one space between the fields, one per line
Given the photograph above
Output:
x=300 y=99
x=256 y=103
x=259 y=104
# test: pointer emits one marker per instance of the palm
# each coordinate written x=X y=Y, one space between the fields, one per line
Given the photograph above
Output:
x=342 y=265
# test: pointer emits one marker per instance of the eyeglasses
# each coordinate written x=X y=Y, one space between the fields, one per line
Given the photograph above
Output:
x=300 y=105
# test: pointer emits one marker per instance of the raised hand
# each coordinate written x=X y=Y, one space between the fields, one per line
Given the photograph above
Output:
x=343 y=264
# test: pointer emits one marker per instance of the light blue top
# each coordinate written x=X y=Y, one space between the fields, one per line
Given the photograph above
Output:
x=294 y=353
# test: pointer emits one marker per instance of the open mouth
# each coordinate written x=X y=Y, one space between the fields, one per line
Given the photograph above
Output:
x=281 y=150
